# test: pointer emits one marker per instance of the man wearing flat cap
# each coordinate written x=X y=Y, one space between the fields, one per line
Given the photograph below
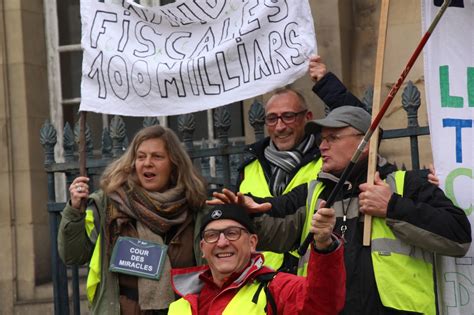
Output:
x=236 y=282
x=412 y=220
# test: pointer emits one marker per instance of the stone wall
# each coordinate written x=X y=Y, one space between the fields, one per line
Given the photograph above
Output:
x=23 y=217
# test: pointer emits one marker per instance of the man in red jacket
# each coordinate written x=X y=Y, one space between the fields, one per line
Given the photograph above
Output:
x=236 y=282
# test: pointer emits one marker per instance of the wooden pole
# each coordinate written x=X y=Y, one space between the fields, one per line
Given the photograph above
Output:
x=376 y=121
x=82 y=150
x=376 y=102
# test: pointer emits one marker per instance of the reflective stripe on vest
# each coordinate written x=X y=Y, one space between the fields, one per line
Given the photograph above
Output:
x=413 y=289
x=92 y=226
x=255 y=183
x=312 y=202
x=241 y=303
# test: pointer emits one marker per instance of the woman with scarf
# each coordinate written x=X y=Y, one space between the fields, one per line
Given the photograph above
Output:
x=139 y=225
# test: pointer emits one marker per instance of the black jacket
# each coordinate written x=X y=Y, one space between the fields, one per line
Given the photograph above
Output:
x=334 y=94
x=424 y=207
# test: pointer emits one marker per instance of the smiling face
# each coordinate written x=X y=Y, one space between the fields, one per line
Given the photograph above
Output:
x=226 y=257
x=153 y=165
x=286 y=136
x=337 y=154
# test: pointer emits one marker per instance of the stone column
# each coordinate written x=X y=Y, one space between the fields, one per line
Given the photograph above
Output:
x=24 y=227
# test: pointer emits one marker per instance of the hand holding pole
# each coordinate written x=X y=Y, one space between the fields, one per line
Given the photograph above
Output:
x=376 y=121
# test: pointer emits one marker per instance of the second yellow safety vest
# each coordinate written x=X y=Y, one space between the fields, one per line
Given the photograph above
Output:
x=254 y=182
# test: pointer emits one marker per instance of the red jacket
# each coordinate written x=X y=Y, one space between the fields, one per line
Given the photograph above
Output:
x=321 y=292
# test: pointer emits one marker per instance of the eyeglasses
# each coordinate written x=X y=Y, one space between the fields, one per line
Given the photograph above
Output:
x=286 y=117
x=332 y=138
x=231 y=233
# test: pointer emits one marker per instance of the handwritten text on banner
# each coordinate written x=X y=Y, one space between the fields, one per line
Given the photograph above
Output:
x=190 y=55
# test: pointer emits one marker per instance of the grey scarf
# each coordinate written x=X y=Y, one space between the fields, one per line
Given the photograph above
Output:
x=284 y=162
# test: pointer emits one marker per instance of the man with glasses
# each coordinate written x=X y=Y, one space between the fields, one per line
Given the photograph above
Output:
x=236 y=282
x=289 y=157
x=411 y=220
x=282 y=161
x=288 y=151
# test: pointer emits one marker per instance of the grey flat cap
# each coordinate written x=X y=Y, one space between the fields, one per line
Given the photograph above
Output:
x=340 y=117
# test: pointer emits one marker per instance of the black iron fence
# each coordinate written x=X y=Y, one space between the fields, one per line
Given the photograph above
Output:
x=218 y=161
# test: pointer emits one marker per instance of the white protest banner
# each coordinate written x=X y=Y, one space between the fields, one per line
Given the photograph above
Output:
x=190 y=55
x=449 y=81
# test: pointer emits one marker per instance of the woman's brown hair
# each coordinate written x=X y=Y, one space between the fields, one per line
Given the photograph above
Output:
x=123 y=169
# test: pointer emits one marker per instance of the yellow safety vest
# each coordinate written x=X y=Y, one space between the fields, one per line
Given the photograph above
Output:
x=312 y=202
x=403 y=273
x=255 y=183
x=241 y=303
x=92 y=229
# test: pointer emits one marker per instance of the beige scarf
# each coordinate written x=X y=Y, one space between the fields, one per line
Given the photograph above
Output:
x=155 y=213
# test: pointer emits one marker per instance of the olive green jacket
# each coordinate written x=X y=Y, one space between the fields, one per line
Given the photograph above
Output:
x=75 y=248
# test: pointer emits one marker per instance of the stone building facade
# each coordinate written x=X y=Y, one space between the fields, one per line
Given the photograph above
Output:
x=346 y=31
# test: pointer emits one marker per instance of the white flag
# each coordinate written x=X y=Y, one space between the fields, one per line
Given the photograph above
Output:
x=449 y=81
x=190 y=55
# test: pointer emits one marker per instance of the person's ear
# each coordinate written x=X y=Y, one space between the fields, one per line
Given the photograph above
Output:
x=309 y=115
x=253 y=242
x=201 y=243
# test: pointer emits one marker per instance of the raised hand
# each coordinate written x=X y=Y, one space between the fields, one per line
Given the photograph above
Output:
x=374 y=198
x=316 y=68
x=227 y=196
x=322 y=225
x=432 y=178
x=78 y=190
